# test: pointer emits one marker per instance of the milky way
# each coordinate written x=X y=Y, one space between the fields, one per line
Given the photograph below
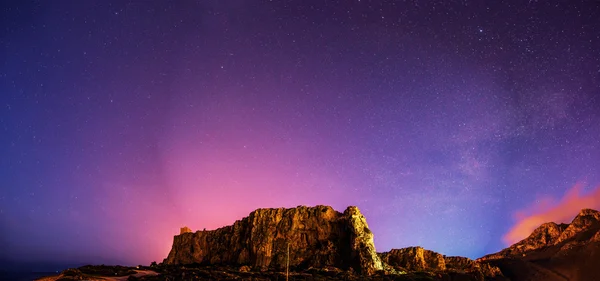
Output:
x=121 y=122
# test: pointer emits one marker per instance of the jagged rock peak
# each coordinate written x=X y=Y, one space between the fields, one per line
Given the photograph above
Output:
x=586 y=219
x=317 y=236
x=299 y=208
x=352 y=210
x=546 y=234
x=589 y=212
x=550 y=234
x=361 y=242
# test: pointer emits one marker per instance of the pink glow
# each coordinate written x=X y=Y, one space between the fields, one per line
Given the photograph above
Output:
x=547 y=210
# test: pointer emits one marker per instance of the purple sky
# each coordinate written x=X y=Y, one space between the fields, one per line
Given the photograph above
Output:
x=121 y=121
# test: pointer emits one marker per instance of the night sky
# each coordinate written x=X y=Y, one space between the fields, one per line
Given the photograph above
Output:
x=446 y=122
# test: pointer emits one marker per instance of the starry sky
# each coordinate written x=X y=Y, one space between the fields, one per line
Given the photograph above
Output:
x=443 y=121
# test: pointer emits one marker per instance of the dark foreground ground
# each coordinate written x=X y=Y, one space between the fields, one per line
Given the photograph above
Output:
x=22 y=276
x=220 y=273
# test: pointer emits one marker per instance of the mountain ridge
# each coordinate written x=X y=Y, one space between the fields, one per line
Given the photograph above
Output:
x=329 y=245
x=585 y=224
x=554 y=252
x=318 y=237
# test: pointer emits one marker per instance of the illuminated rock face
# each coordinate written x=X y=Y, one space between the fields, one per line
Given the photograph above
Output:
x=555 y=252
x=419 y=259
x=317 y=237
x=583 y=229
x=414 y=258
x=470 y=266
x=321 y=237
x=185 y=229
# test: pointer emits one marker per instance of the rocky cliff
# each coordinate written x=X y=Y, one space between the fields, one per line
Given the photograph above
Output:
x=322 y=239
x=419 y=259
x=555 y=252
x=317 y=237
x=584 y=227
x=414 y=258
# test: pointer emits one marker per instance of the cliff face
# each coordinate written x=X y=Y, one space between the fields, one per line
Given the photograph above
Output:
x=419 y=259
x=321 y=237
x=363 y=255
x=414 y=258
x=317 y=237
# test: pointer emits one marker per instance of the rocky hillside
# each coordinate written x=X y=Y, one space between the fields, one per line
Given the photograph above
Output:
x=555 y=252
x=414 y=259
x=317 y=237
x=329 y=245
x=584 y=229
x=322 y=242
x=418 y=259
x=470 y=266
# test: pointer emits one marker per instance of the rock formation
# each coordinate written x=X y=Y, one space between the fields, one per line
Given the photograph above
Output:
x=582 y=229
x=317 y=237
x=468 y=265
x=419 y=259
x=587 y=219
x=185 y=229
x=323 y=241
x=363 y=255
x=545 y=235
x=414 y=258
x=555 y=252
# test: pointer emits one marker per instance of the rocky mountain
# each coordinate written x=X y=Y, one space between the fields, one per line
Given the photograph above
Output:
x=329 y=245
x=321 y=241
x=555 y=252
x=413 y=259
x=419 y=259
x=468 y=265
x=316 y=236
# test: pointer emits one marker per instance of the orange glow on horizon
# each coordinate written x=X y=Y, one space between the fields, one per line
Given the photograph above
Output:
x=548 y=210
